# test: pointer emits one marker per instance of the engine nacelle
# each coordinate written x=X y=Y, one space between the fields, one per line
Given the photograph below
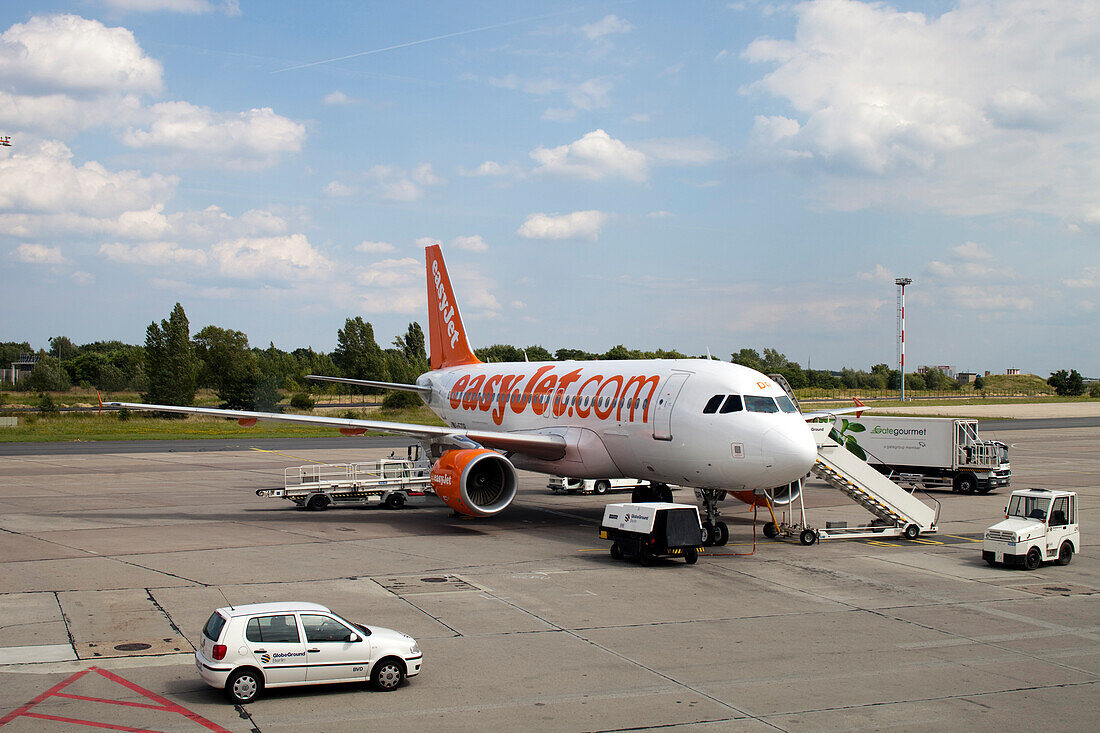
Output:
x=779 y=496
x=476 y=482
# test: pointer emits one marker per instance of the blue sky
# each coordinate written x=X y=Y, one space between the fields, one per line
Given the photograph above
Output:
x=706 y=175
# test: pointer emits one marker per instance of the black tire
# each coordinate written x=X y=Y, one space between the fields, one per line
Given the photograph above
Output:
x=661 y=492
x=691 y=556
x=808 y=537
x=912 y=532
x=1065 y=553
x=771 y=531
x=601 y=487
x=990 y=562
x=966 y=483
x=395 y=500
x=642 y=494
x=317 y=503
x=721 y=534
x=243 y=686
x=645 y=557
x=1033 y=559
x=388 y=674
x=616 y=551
x=707 y=539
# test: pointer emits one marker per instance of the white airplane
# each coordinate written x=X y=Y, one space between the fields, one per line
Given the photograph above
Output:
x=717 y=427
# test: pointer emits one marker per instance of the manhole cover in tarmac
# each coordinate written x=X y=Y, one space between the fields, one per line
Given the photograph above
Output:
x=136 y=646
x=410 y=584
x=1066 y=589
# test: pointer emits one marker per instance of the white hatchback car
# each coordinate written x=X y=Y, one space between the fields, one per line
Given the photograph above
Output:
x=244 y=649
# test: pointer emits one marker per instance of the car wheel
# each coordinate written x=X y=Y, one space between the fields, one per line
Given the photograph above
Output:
x=1065 y=554
x=721 y=533
x=1033 y=559
x=616 y=551
x=601 y=487
x=243 y=686
x=387 y=675
x=808 y=537
x=645 y=557
x=661 y=492
x=771 y=531
x=395 y=500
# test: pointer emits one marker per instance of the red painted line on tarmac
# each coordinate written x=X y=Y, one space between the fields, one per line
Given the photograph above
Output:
x=162 y=705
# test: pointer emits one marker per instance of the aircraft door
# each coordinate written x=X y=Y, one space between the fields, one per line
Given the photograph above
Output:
x=666 y=398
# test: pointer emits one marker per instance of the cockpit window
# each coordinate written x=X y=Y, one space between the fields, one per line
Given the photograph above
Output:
x=760 y=404
x=712 y=404
x=785 y=404
x=732 y=404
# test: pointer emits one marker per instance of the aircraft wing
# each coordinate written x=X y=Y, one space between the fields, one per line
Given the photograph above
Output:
x=536 y=445
x=370 y=383
x=858 y=409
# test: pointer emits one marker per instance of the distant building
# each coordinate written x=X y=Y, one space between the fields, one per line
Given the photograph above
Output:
x=23 y=366
x=947 y=370
x=1012 y=372
x=966 y=377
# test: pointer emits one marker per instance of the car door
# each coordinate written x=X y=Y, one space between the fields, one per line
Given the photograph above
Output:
x=276 y=644
x=335 y=651
x=1059 y=525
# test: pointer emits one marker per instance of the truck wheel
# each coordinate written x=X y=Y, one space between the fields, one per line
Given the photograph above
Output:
x=691 y=556
x=808 y=537
x=1065 y=554
x=601 y=487
x=911 y=532
x=395 y=501
x=317 y=503
x=966 y=483
x=721 y=533
x=708 y=535
x=616 y=551
x=771 y=531
x=1033 y=559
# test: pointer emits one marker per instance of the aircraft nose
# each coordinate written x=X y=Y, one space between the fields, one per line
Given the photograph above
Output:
x=792 y=451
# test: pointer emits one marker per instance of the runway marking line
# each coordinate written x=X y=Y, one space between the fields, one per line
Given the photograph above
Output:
x=162 y=704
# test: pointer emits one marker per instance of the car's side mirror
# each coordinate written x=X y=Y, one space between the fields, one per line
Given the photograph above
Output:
x=354 y=638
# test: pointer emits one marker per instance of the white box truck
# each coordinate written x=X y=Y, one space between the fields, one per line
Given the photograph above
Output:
x=1040 y=525
x=651 y=530
x=925 y=452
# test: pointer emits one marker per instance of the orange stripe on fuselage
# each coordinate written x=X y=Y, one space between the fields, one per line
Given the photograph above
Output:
x=556 y=391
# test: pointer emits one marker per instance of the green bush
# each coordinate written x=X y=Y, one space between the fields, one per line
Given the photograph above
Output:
x=301 y=401
x=1094 y=390
x=124 y=414
x=400 y=400
x=47 y=406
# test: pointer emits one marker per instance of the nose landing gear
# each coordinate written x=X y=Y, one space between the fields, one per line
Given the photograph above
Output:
x=716 y=533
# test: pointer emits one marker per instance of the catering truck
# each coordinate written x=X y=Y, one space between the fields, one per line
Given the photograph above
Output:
x=926 y=452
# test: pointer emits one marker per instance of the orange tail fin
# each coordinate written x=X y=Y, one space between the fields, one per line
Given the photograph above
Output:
x=446 y=335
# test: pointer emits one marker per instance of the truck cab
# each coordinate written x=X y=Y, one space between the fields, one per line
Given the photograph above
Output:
x=1040 y=525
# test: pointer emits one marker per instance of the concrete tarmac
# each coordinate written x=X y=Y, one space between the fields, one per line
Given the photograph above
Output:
x=110 y=563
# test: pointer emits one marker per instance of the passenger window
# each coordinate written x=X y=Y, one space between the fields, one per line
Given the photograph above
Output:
x=324 y=629
x=214 y=625
x=732 y=404
x=760 y=404
x=272 y=630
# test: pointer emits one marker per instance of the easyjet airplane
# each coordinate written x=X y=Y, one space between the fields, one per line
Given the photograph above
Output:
x=710 y=425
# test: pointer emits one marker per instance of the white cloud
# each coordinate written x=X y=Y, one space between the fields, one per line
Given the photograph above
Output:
x=191 y=7
x=879 y=274
x=1090 y=278
x=931 y=111
x=39 y=254
x=595 y=156
x=577 y=225
x=609 y=25
x=374 y=247
x=489 y=169
x=660 y=215
x=392 y=273
x=287 y=257
x=971 y=251
x=156 y=254
x=253 y=139
x=80 y=277
x=337 y=98
x=472 y=243
x=338 y=190
x=682 y=151
x=427 y=242
x=396 y=184
x=67 y=53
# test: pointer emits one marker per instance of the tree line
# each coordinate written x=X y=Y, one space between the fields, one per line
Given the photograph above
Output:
x=173 y=365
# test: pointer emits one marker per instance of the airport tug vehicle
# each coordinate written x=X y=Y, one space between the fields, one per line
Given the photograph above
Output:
x=1039 y=525
x=653 y=529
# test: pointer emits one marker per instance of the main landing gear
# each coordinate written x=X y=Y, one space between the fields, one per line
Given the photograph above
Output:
x=651 y=492
x=716 y=533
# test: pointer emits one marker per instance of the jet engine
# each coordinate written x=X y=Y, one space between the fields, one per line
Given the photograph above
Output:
x=476 y=482
x=779 y=496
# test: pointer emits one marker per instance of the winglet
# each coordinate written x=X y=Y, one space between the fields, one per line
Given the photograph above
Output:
x=446 y=334
x=860 y=404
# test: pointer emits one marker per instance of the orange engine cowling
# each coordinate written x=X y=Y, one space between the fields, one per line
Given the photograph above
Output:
x=476 y=482
x=779 y=496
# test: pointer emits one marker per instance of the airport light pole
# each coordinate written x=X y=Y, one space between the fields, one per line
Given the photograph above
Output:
x=901 y=282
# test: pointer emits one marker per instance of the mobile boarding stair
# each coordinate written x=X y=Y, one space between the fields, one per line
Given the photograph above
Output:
x=898 y=512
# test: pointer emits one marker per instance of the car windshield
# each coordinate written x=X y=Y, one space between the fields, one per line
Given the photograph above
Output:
x=1029 y=507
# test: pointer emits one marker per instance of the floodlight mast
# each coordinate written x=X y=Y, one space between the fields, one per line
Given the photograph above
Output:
x=901 y=282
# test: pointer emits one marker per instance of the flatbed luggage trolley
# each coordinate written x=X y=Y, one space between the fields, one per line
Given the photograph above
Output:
x=651 y=530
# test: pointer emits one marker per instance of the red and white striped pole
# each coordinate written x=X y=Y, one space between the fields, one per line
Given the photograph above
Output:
x=901 y=283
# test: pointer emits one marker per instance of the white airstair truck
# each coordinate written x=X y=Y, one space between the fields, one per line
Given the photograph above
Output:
x=897 y=511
